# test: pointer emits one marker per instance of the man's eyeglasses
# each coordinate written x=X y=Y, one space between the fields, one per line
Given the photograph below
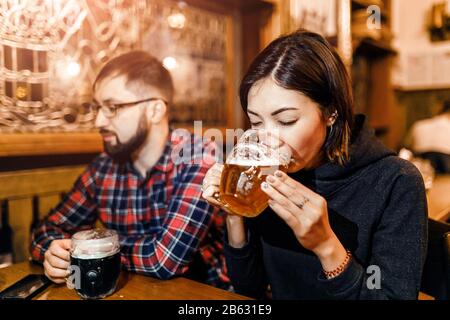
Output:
x=110 y=109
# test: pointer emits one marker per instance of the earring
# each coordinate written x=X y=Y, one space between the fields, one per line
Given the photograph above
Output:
x=334 y=115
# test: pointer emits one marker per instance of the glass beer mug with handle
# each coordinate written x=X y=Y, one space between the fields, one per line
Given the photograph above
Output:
x=95 y=262
x=257 y=154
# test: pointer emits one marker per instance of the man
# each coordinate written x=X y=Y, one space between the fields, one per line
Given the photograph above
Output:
x=137 y=187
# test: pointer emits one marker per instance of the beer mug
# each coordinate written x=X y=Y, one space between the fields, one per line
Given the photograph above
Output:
x=95 y=262
x=257 y=154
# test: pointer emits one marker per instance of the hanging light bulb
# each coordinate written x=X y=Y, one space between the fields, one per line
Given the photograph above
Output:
x=177 y=20
x=170 y=63
x=73 y=69
x=67 y=69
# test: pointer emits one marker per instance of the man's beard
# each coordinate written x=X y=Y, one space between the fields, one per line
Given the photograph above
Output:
x=122 y=152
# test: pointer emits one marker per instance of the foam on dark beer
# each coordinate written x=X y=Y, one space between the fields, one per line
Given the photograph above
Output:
x=94 y=244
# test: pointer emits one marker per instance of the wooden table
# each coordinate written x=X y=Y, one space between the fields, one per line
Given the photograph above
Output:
x=439 y=198
x=130 y=287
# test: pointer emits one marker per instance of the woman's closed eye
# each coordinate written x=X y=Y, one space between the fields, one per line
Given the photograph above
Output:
x=281 y=122
x=255 y=123
x=287 y=122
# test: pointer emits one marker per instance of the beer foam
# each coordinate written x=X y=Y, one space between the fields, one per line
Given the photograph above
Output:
x=255 y=163
x=94 y=244
x=250 y=154
x=94 y=234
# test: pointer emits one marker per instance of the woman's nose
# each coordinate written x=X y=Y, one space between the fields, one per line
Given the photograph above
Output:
x=270 y=136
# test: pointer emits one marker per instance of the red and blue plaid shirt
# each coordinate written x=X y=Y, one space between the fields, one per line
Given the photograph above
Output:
x=161 y=218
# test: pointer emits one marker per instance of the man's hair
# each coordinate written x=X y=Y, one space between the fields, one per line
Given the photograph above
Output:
x=142 y=71
x=306 y=62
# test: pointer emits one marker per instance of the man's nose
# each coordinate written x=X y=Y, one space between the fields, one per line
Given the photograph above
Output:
x=101 y=121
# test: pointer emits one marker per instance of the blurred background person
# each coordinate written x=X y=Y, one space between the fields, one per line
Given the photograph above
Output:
x=430 y=139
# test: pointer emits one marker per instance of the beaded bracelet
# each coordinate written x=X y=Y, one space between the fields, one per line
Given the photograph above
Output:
x=334 y=273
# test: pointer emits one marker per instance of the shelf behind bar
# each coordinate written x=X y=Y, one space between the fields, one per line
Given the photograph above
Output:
x=32 y=144
x=37 y=144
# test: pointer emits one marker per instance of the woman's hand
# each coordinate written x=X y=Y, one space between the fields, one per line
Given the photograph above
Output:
x=211 y=183
x=235 y=224
x=306 y=213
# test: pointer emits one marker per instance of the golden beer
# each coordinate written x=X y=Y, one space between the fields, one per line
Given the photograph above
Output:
x=257 y=154
x=240 y=187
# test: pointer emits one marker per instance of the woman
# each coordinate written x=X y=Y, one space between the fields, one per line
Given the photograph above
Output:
x=349 y=221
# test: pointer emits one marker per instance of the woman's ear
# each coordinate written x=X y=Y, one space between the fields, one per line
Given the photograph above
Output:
x=157 y=111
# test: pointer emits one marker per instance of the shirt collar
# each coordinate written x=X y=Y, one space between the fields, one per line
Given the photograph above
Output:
x=164 y=163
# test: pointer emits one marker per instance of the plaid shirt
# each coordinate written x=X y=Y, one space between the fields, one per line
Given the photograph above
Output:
x=161 y=218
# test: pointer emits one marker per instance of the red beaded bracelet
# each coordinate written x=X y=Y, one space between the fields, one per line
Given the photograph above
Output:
x=334 y=273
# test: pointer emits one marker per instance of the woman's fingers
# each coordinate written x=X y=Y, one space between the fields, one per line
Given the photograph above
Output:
x=290 y=219
x=280 y=199
x=212 y=177
x=210 y=194
x=210 y=186
x=293 y=189
x=303 y=211
x=215 y=170
x=291 y=194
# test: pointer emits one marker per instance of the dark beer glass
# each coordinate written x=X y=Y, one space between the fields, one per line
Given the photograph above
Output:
x=95 y=262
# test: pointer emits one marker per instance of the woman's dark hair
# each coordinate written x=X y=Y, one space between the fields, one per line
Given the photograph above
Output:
x=306 y=62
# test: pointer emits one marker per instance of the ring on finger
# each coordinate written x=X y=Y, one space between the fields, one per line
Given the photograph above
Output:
x=303 y=202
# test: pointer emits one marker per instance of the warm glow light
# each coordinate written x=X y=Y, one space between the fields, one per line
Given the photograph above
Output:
x=68 y=69
x=21 y=92
x=176 y=20
x=170 y=63
x=73 y=69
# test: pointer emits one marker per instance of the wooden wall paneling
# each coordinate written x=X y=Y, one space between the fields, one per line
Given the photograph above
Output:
x=383 y=116
x=230 y=85
x=46 y=203
x=20 y=187
x=27 y=144
x=28 y=183
x=20 y=217
x=254 y=19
